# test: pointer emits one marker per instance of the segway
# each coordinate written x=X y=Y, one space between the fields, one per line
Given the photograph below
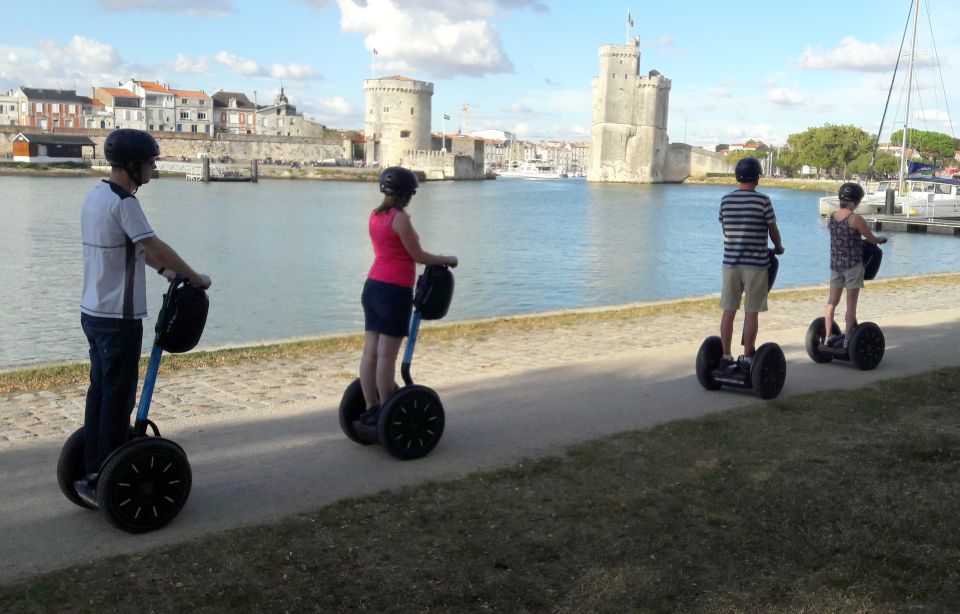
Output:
x=411 y=421
x=866 y=345
x=144 y=483
x=766 y=373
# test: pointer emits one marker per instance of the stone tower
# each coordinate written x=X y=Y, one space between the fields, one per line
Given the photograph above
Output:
x=628 y=132
x=397 y=118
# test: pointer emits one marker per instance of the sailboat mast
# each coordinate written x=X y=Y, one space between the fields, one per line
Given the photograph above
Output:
x=906 y=119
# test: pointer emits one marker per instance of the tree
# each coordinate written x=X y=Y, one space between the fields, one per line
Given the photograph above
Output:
x=735 y=156
x=934 y=147
x=884 y=165
x=830 y=146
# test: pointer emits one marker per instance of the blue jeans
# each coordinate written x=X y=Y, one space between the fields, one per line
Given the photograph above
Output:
x=114 y=363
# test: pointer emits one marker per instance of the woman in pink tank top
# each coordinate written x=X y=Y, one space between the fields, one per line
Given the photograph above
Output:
x=388 y=292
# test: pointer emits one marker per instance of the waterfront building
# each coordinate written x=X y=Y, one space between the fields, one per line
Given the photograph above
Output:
x=48 y=108
x=45 y=148
x=281 y=119
x=122 y=108
x=397 y=118
x=9 y=110
x=159 y=104
x=234 y=113
x=194 y=111
x=95 y=114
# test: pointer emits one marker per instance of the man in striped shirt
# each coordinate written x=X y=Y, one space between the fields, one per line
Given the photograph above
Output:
x=748 y=219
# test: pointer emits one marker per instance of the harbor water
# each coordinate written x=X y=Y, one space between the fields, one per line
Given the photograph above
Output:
x=288 y=258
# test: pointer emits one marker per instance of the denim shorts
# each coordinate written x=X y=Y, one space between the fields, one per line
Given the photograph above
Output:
x=387 y=308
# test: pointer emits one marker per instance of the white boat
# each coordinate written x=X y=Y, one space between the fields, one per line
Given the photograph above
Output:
x=533 y=169
x=914 y=195
x=924 y=197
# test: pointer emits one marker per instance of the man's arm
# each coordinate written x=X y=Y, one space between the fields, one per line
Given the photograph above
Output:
x=160 y=255
x=775 y=237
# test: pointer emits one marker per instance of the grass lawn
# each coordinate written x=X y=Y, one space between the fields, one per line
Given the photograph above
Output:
x=831 y=502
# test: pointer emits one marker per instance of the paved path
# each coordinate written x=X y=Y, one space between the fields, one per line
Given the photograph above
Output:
x=264 y=440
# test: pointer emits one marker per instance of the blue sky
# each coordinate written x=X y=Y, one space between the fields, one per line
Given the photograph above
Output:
x=522 y=65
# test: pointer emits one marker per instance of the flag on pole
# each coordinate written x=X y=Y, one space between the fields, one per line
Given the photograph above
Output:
x=629 y=22
x=445 y=116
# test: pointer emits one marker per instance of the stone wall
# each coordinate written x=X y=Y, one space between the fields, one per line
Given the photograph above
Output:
x=188 y=145
x=684 y=161
x=437 y=165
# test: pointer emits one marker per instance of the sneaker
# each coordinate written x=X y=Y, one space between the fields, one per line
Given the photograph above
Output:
x=836 y=341
x=86 y=488
x=745 y=363
x=730 y=364
x=369 y=417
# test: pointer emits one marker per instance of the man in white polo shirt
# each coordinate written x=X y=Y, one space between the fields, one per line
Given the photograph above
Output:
x=117 y=243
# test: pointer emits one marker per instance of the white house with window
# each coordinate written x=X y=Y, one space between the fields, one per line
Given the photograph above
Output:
x=194 y=111
x=122 y=108
x=159 y=104
x=9 y=110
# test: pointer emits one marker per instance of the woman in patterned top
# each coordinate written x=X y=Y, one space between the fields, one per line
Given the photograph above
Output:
x=846 y=259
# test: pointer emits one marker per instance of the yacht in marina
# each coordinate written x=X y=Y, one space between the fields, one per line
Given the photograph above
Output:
x=533 y=169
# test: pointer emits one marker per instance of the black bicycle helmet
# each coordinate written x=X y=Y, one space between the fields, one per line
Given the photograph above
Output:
x=748 y=170
x=398 y=181
x=851 y=192
x=129 y=149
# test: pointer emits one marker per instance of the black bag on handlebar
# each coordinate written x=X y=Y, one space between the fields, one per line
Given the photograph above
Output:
x=872 y=256
x=434 y=292
x=182 y=317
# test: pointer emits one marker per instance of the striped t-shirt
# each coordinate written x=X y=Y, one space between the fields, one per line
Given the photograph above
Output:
x=746 y=216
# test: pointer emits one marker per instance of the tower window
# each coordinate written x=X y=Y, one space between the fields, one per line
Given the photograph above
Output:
x=411 y=110
x=385 y=109
x=404 y=134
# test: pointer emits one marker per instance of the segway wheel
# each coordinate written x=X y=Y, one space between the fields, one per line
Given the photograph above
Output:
x=70 y=468
x=866 y=346
x=352 y=405
x=411 y=422
x=144 y=484
x=708 y=359
x=816 y=337
x=769 y=371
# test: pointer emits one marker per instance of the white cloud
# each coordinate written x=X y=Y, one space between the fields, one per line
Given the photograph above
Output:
x=719 y=92
x=216 y=8
x=933 y=116
x=293 y=72
x=238 y=65
x=439 y=38
x=784 y=97
x=183 y=65
x=519 y=108
x=854 y=54
x=337 y=105
x=744 y=132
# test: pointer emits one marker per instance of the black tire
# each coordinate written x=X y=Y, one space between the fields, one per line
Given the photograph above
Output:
x=708 y=359
x=768 y=371
x=144 y=484
x=816 y=335
x=866 y=346
x=411 y=423
x=352 y=405
x=71 y=466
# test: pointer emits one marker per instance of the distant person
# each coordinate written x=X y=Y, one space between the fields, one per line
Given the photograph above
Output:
x=117 y=242
x=846 y=260
x=748 y=219
x=387 y=297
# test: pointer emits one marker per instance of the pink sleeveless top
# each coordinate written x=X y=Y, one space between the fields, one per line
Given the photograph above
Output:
x=391 y=263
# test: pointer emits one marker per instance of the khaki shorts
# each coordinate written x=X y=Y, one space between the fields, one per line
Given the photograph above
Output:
x=851 y=279
x=744 y=280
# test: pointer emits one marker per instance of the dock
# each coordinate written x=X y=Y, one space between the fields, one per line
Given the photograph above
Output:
x=899 y=223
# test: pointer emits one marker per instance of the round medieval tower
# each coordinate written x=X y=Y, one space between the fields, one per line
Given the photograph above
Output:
x=397 y=118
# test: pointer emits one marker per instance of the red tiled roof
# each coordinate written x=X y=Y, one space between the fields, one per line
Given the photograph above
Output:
x=153 y=86
x=190 y=94
x=119 y=92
